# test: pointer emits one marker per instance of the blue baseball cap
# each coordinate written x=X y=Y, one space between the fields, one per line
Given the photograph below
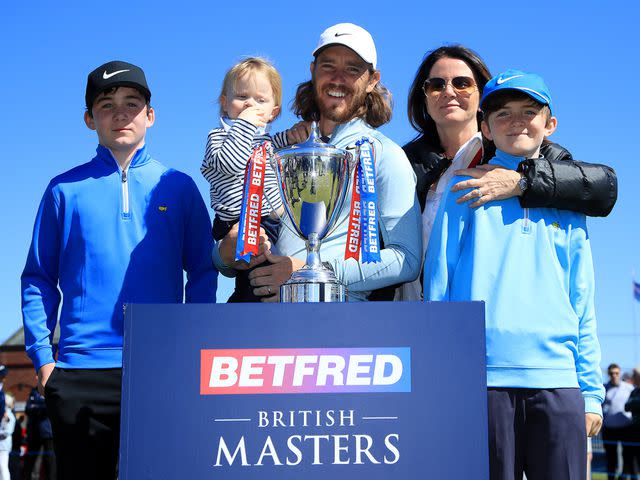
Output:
x=529 y=83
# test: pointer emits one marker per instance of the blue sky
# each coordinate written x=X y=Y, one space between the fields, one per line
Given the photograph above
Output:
x=587 y=54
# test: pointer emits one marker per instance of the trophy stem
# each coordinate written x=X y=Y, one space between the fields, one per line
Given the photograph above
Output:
x=313 y=282
x=313 y=252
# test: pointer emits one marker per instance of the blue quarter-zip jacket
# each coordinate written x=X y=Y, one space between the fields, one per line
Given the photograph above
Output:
x=533 y=269
x=103 y=238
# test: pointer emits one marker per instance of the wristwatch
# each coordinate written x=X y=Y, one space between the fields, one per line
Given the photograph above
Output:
x=523 y=183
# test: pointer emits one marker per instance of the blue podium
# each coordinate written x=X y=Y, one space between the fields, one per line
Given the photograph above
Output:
x=304 y=391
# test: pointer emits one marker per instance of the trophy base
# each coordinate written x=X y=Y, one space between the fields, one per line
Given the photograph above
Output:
x=312 y=292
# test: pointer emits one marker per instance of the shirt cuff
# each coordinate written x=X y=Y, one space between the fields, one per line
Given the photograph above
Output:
x=592 y=405
x=42 y=356
x=223 y=268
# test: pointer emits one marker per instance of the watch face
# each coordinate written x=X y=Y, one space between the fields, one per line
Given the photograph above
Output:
x=523 y=184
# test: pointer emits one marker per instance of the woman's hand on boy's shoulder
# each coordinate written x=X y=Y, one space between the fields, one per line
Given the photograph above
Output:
x=488 y=182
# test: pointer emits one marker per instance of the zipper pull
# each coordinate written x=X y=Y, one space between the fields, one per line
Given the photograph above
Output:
x=526 y=223
x=124 y=176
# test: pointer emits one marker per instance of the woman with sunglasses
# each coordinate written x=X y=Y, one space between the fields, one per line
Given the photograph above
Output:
x=443 y=107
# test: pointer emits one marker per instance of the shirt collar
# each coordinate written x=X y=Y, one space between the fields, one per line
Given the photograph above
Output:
x=352 y=127
x=139 y=158
x=506 y=160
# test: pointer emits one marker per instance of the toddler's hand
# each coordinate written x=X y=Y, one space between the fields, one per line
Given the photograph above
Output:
x=254 y=115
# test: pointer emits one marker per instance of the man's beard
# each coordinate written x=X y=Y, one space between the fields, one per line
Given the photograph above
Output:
x=339 y=115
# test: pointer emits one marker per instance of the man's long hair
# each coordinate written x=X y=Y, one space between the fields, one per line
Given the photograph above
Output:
x=376 y=110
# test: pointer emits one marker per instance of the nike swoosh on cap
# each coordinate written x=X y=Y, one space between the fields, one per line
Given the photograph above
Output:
x=341 y=34
x=501 y=80
x=107 y=76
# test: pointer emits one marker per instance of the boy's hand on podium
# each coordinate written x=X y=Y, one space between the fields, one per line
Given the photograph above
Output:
x=594 y=423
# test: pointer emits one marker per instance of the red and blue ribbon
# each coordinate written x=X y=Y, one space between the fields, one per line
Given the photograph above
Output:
x=251 y=209
x=362 y=232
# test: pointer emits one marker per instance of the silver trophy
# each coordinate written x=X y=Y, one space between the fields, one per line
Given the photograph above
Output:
x=313 y=178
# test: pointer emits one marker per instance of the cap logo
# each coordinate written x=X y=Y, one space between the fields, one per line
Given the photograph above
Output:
x=501 y=80
x=341 y=34
x=107 y=76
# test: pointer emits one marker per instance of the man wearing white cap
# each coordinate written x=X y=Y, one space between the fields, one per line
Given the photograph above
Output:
x=347 y=100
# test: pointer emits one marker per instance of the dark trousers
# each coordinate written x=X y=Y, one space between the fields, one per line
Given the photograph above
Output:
x=611 y=437
x=84 y=408
x=539 y=432
x=632 y=441
x=36 y=447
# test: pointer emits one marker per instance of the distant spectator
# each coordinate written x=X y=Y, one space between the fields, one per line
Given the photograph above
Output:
x=627 y=377
x=15 y=459
x=616 y=422
x=633 y=406
x=39 y=436
x=7 y=425
x=3 y=373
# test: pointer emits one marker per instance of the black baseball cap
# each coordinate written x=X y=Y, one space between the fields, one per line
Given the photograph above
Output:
x=115 y=74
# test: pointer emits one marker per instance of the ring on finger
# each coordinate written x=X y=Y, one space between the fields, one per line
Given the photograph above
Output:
x=478 y=192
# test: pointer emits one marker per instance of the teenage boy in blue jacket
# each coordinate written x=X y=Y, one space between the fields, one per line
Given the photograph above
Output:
x=119 y=229
x=533 y=269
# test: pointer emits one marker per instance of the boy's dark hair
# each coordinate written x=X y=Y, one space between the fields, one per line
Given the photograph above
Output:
x=498 y=100
x=612 y=366
x=111 y=90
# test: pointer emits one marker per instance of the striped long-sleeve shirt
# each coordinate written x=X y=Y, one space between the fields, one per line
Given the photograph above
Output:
x=227 y=152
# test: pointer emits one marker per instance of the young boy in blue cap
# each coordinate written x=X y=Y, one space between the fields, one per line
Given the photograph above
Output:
x=121 y=228
x=533 y=269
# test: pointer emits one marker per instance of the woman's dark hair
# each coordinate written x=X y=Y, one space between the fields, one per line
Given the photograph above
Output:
x=416 y=105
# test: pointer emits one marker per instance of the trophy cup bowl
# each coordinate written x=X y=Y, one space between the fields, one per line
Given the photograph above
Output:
x=313 y=178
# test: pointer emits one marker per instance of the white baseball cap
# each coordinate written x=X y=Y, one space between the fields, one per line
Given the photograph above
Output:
x=352 y=36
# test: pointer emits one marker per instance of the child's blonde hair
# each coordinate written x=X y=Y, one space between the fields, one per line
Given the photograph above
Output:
x=246 y=67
